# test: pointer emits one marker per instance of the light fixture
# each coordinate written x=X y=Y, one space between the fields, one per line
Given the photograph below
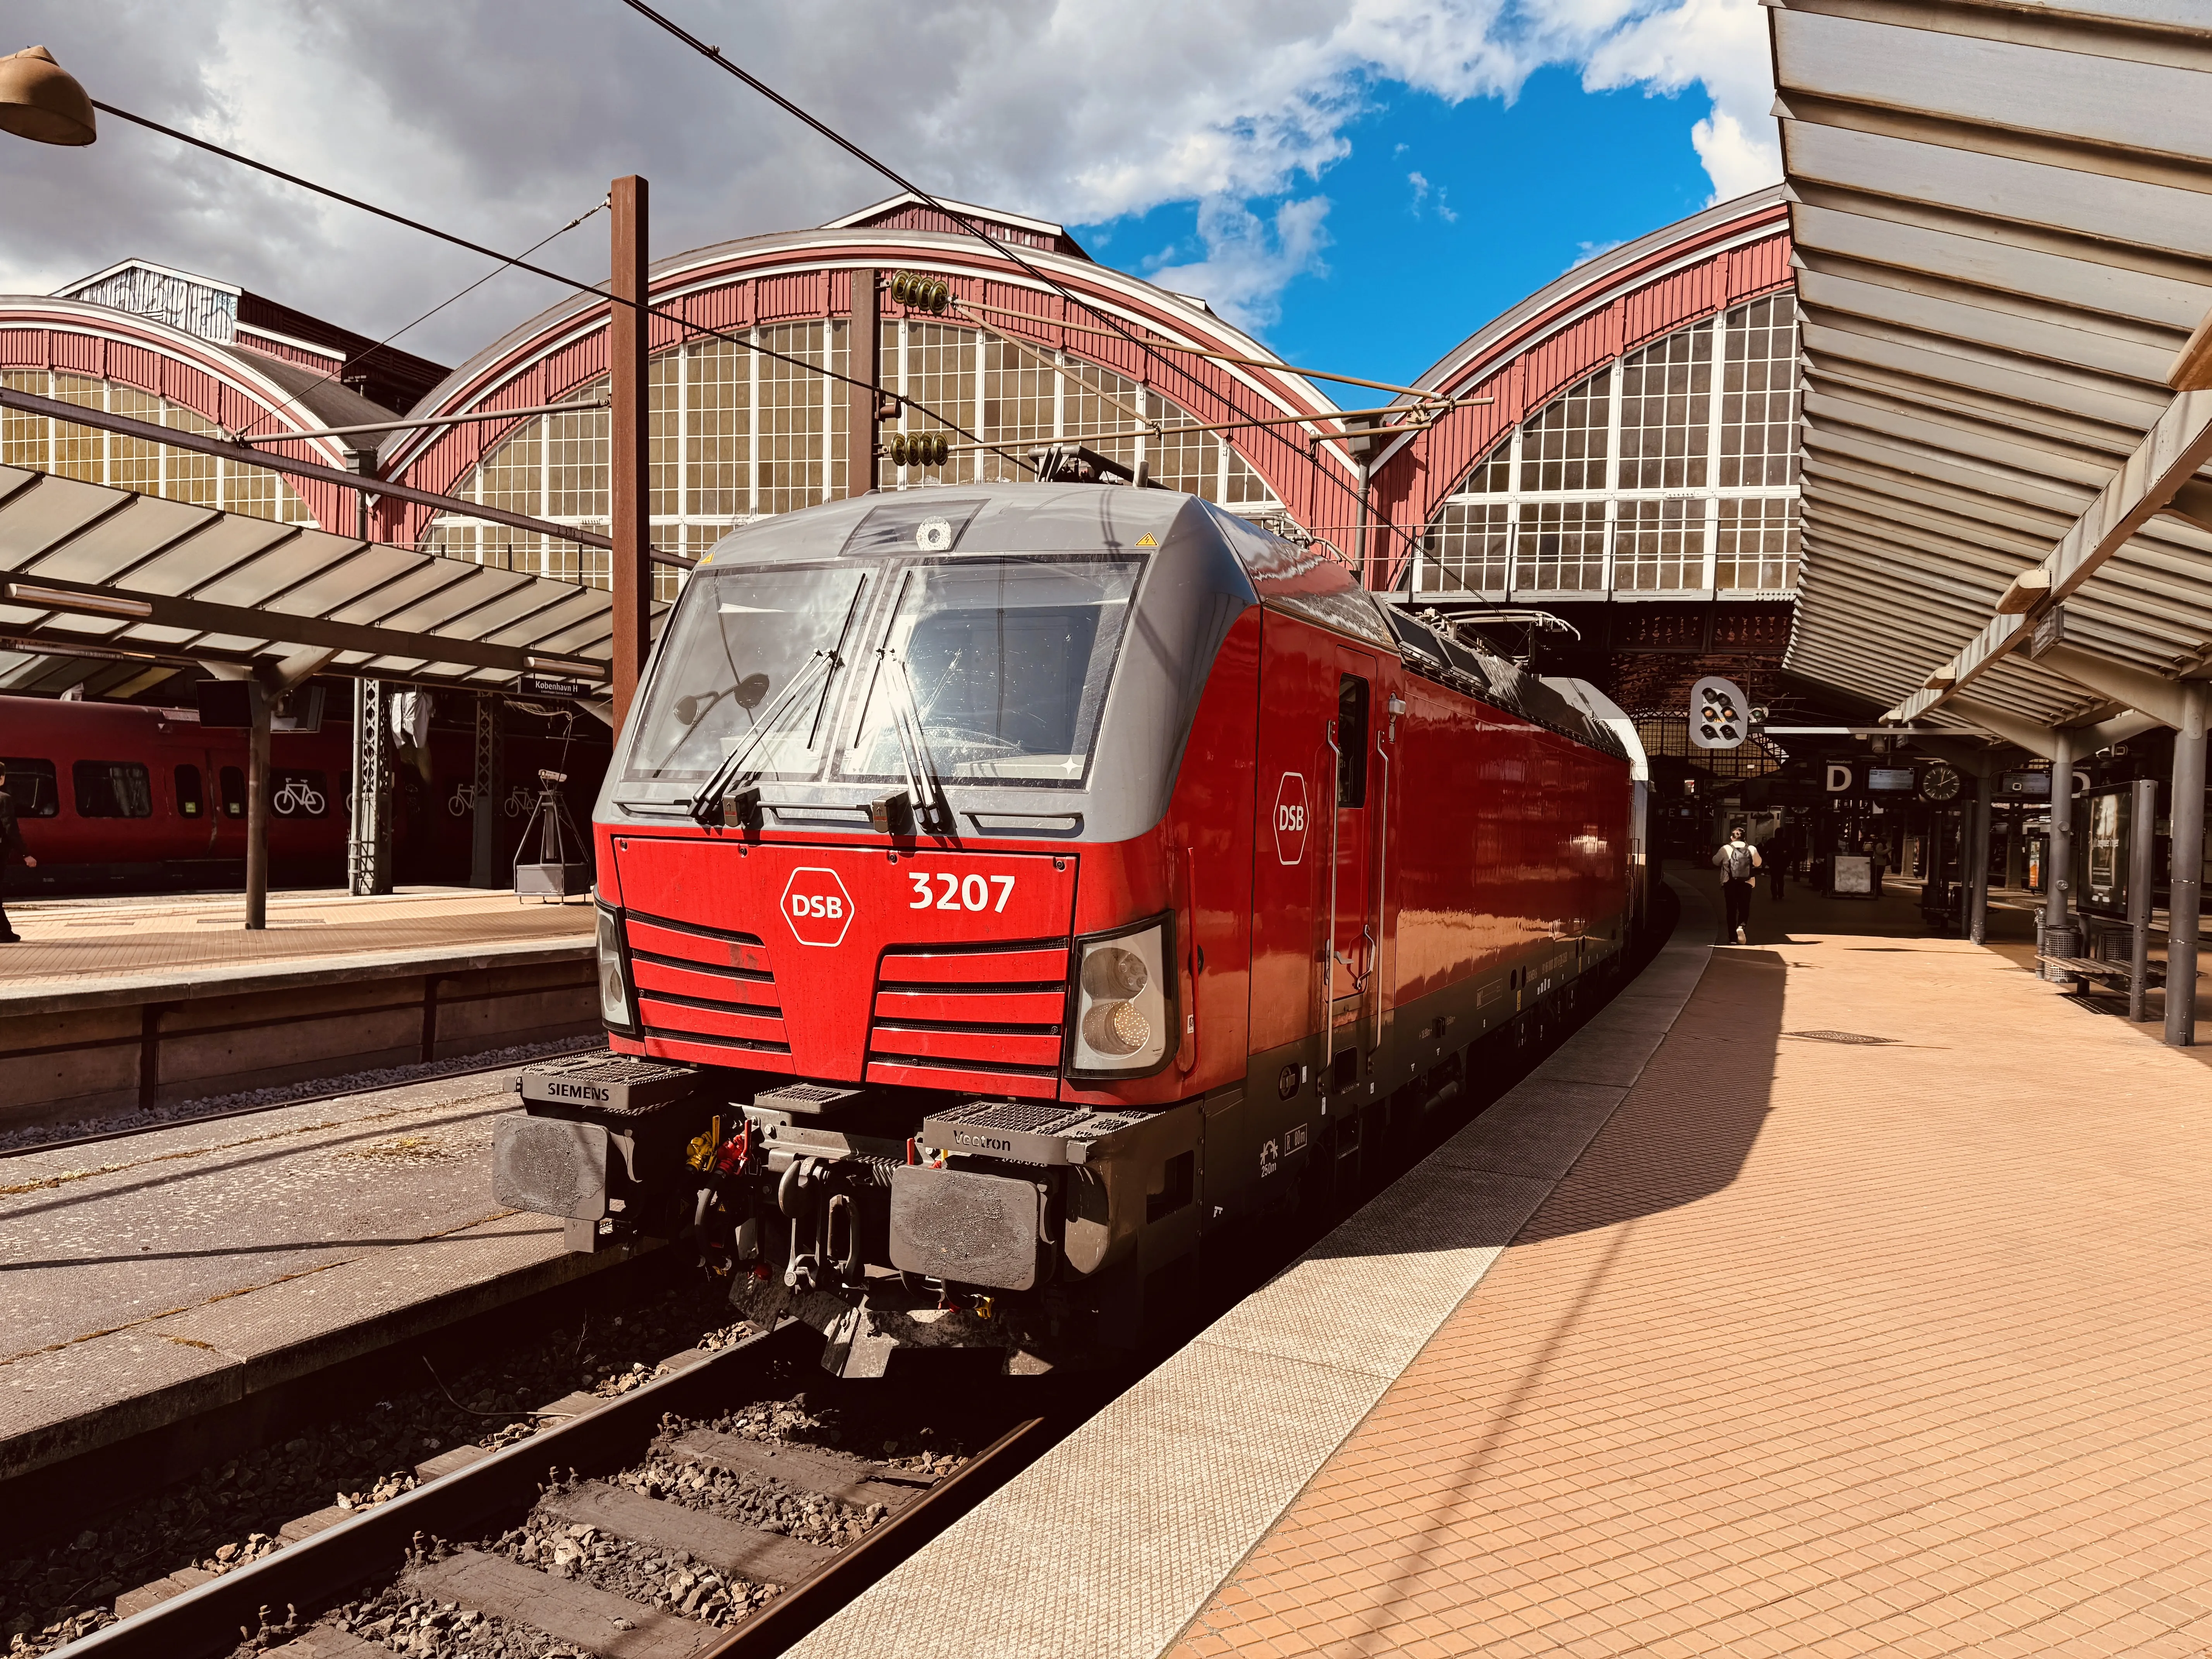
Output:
x=59 y=598
x=565 y=666
x=41 y=100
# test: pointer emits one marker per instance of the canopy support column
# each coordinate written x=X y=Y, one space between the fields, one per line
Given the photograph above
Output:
x=256 y=808
x=2142 y=871
x=865 y=398
x=368 y=850
x=2183 y=906
x=629 y=450
x=483 y=852
x=1977 y=871
x=2059 y=867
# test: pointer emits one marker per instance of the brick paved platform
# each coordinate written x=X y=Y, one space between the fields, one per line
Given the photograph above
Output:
x=1875 y=1321
x=73 y=947
x=1854 y=1303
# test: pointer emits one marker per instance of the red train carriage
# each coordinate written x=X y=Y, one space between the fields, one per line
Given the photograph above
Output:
x=1004 y=889
x=115 y=795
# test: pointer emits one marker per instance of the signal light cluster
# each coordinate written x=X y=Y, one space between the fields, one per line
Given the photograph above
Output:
x=927 y=293
x=1722 y=724
x=918 y=449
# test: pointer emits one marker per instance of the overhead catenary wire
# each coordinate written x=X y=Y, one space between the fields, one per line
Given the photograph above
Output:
x=1155 y=430
x=1201 y=351
x=716 y=55
x=517 y=263
x=293 y=401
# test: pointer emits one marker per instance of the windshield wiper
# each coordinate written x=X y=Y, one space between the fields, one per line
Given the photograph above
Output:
x=934 y=808
x=707 y=805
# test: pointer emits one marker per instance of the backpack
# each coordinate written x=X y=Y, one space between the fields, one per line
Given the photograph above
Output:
x=1734 y=860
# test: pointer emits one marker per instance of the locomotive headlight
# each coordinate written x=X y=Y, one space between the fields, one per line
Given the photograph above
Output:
x=614 y=975
x=1124 y=1001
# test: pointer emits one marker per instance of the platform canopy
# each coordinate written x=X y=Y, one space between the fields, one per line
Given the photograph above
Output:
x=88 y=569
x=2003 y=218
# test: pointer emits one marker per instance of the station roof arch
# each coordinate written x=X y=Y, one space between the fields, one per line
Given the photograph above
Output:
x=797 y=281
x=1675 y=278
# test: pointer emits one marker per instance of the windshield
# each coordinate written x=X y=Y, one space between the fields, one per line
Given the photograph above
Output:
x=1004 y=661
x=746 y=663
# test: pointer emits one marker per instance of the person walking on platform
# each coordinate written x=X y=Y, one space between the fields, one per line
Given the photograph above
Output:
x=1738 y=861
x=11 y=846
x=1778 y=862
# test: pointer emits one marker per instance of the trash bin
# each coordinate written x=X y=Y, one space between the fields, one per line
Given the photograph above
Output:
x=2064 y=941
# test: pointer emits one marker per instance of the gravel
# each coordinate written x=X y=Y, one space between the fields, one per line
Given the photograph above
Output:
x=383 y=1077
x=227 y=1515
x=408 y=1622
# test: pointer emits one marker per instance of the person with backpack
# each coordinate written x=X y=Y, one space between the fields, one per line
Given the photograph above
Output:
x=1738 y=861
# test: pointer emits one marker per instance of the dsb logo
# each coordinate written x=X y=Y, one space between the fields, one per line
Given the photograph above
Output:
x=1290 y=818
x=818 y=906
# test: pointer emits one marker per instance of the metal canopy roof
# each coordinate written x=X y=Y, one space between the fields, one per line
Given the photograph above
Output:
x=86 y=567
x=2003 y=216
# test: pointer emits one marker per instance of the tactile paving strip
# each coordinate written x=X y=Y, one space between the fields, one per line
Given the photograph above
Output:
x=1112 y=1542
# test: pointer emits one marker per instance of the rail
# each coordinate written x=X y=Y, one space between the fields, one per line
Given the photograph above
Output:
x=324 y=1568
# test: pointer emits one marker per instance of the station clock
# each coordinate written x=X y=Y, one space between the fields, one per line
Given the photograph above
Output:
x=1939 y=782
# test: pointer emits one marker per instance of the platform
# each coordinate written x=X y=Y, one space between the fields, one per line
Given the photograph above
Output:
x=1841 y=1294
x=111 y=1003
x=150 y=1280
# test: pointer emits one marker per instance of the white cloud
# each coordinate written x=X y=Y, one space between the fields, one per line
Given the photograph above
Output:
x=447 y=109
x=1586 y=251
x=1420 y=184
x=1249 y=263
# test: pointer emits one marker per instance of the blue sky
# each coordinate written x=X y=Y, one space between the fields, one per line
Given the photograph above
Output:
x=1256 y=152
x=1514 y=194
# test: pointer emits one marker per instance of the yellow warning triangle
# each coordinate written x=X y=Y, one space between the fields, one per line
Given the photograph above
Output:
x=1146 y=540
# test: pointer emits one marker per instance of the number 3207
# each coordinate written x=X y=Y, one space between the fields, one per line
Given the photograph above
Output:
x=959 y=893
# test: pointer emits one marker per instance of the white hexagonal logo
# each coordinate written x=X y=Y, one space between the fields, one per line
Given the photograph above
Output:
x=1290 y=817
x=818 y=906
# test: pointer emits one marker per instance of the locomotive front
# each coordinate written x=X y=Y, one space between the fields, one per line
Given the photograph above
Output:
x=892 y=955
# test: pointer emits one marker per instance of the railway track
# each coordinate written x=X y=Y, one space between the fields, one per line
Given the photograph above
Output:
x=659 y=1524
x=708 y=1508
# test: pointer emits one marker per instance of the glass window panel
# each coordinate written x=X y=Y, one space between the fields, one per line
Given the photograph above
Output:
x=1492 y=474
x=77 y=449
x=192 y=477
x=940 y=372
x=1757 y=547
x=1758 y=395
x=1468 y=549
x=1245 y=486
x=1666 y=412
x=514 y=477
x=1564 y=446
x=1660 y=546
x=1018 y=405
x=1181 y=458
x=718 y=437
x=26 y=440
x=664 y=440
x=576 y=461
x=1562 y=547
x=133 y=462
x=1086 y=410
x=793 y=455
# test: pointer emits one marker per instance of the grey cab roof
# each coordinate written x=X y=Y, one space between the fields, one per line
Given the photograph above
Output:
x=1302 y=580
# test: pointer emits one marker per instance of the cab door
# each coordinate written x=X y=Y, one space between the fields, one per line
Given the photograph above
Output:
x=1354 y=949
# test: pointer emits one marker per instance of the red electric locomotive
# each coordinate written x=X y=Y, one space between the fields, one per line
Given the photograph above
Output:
x=1003 y=889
